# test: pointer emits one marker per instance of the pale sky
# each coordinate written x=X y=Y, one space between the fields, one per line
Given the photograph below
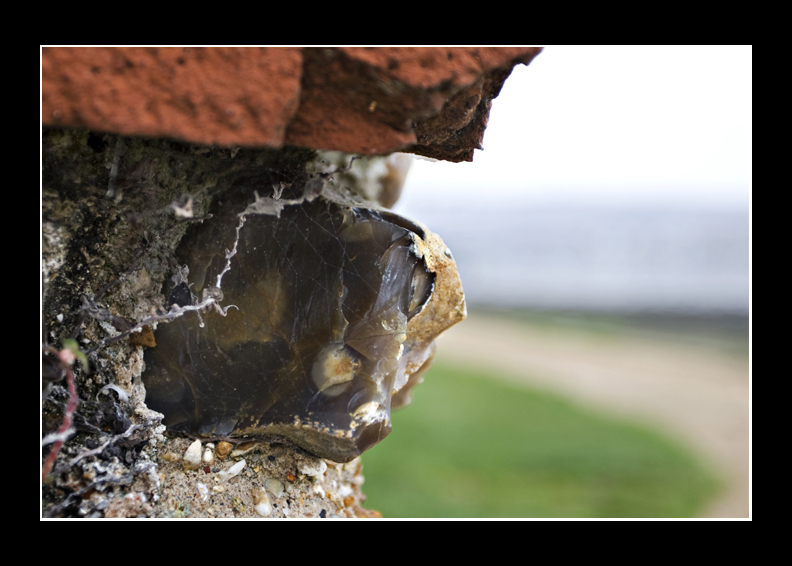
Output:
x=623 y=124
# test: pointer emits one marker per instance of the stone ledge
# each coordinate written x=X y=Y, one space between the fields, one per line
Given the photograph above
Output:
x=433 y=101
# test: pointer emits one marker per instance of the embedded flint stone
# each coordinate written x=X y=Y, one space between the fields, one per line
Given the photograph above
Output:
x=336 y=310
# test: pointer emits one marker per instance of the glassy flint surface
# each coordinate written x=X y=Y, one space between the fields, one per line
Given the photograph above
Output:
x=318 y=342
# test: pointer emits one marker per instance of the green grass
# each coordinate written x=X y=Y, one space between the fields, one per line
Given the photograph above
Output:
x=471 y=446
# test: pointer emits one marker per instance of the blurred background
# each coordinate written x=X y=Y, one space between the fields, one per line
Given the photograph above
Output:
x=603 y=241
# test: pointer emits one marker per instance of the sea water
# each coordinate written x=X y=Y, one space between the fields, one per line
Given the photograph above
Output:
x=602 y=257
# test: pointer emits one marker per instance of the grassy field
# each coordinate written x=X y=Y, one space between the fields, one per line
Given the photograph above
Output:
x=471 y=446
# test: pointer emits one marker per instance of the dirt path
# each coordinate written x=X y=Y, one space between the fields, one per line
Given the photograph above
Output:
x=696 y=395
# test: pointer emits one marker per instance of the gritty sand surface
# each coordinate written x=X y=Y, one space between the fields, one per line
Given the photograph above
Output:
x=698 y=396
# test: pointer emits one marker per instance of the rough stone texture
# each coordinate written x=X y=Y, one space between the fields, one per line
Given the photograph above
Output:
x=305 y=486
x=425 y=100
x=105 y=264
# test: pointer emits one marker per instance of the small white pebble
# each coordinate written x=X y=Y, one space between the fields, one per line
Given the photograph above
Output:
x=315 y=468
x=233 y=471
x=59 y=317
x=275 y=486
x=203 y=491
x=261 y=502
x=208 y=457
x=192 y=458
